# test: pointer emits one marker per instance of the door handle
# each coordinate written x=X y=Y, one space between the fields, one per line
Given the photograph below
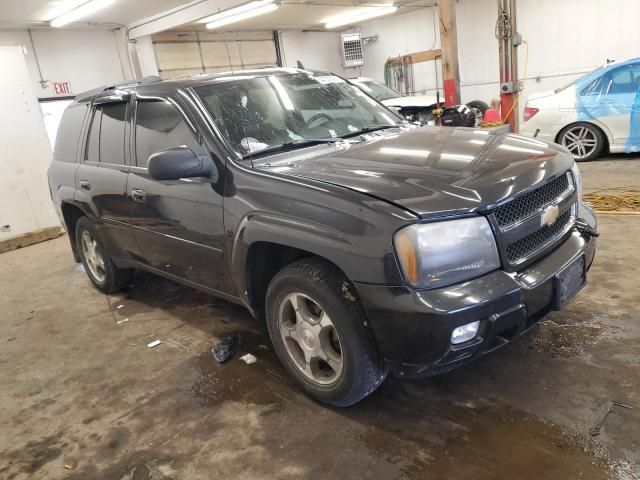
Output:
x=85 y=185
x=139 y=196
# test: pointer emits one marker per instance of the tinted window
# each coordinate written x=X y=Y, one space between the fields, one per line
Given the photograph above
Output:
x=69 y=132
x=105 y=140
x=159 y=125
x=112 y=133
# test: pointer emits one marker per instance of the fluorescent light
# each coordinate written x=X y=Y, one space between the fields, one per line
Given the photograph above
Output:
x=80 y=12
x=248 y=10
x=358 y=16
x=235 y=11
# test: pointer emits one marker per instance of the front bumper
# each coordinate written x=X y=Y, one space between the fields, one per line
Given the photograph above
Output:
x=413 y=328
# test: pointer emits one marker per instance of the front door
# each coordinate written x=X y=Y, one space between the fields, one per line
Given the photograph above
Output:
x=178 y=223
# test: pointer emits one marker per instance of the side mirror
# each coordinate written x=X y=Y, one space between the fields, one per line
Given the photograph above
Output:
x=180 y=162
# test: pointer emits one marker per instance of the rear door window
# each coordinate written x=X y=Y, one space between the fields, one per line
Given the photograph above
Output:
x=105 y=140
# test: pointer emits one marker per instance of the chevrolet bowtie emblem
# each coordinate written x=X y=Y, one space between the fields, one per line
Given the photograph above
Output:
x=549 y=216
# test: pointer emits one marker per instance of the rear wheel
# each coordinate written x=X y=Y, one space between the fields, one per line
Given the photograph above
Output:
x=584 y=141
x=96 y=261
x=320 y=334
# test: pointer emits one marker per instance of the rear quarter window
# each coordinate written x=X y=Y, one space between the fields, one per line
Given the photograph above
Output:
x=68 y=136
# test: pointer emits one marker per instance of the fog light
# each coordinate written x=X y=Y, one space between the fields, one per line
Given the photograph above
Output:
x=465 y=332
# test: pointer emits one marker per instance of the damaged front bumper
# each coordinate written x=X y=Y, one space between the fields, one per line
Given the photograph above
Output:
x=413 y=328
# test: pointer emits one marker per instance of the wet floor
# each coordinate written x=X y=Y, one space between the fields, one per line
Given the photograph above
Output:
x=83 y=397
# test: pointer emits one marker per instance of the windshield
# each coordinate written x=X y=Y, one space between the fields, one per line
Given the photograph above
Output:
x=255 y=113
x=558 y=90
x=378 y=90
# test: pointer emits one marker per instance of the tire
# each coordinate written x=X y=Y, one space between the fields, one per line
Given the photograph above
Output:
x=103 y=274
x=478 y=107
x=323 y=293
x=592 y=141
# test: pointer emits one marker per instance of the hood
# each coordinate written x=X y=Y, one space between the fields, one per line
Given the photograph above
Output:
x=432 y=171
x=411 y=101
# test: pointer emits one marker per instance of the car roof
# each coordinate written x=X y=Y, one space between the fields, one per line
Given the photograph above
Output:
x=155 y=83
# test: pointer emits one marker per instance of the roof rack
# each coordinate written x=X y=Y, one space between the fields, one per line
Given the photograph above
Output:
x=133 y=83
x=88 y=95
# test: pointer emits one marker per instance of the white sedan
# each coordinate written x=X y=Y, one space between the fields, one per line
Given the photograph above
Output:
x=598 y=112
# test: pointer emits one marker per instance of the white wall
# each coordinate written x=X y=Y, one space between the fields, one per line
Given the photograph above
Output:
x=84 y=58
x=316 y=50
x=566 y=38
x=400 y=35
x=25 y=205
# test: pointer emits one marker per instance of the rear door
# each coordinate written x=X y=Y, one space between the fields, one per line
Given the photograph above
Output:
x=614 y=99
x=178 y=223
x=101 y=178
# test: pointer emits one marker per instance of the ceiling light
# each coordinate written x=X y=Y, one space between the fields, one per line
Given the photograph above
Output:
x=248 y=10
x=358 y=16
x=80 y=12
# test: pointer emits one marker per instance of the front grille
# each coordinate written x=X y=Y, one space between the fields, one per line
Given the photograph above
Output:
x=527 y=246
x=531 y=202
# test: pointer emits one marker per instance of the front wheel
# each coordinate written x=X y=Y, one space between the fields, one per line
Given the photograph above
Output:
x=584 y=141
x=320 y=333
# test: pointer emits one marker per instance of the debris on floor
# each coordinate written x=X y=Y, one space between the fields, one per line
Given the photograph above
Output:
x=122 y=321
x=608 y=408
x=226 y=349
x=153 y=344
x=120 y=306
x=248 y=359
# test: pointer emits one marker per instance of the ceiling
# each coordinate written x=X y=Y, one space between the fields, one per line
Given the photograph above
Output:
x=311 y=14
x=292 y=14
x=18 y=13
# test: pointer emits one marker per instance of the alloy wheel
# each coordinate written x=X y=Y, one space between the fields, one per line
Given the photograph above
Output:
x=310 y=338
x=580 y=141
x=93 y=256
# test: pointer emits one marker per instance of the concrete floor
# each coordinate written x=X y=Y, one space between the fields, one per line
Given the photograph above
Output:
x=83 y=397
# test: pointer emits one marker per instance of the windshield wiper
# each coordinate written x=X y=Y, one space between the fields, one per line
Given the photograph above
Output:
x=369 y=129
x=292 y=145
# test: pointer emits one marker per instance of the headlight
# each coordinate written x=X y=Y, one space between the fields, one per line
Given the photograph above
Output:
x=437 y=254
x=577 y=179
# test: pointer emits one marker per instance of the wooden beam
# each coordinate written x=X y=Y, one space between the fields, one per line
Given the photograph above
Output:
x=449 y=46
x=417 y=57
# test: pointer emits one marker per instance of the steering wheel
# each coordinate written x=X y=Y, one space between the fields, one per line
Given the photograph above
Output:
x=316 y=117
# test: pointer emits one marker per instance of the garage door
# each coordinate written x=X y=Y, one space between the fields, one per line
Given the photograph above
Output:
x=179 y=54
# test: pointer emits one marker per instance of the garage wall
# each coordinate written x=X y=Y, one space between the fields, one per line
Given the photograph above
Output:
x=84 y=58
x=566 y=39
x=400 y=35
x=25 y=205
x=316 y=51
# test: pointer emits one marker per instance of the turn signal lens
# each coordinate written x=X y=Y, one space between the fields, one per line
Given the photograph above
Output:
x=529 y=112
x=407 y=256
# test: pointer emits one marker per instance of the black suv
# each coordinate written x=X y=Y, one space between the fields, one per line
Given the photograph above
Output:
x=366 y=243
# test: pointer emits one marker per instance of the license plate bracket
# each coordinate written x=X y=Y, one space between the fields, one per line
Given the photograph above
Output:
x=568 y=282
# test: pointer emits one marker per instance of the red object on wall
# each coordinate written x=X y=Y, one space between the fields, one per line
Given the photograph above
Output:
x=62 y=88
x=450 y=97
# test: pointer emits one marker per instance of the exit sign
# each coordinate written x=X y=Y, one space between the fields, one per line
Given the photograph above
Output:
x=62 y=88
